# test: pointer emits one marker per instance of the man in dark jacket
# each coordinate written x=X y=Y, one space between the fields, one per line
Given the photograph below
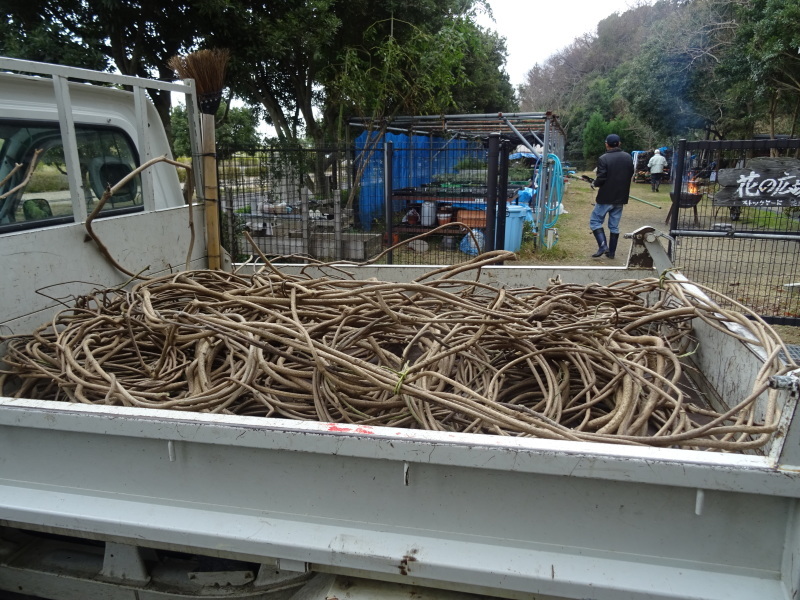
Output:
x=614 y=175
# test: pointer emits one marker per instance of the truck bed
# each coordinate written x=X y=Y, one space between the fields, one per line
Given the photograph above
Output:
x=503 y=516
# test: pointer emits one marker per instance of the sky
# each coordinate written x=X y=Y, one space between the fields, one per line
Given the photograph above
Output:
x=536 y=29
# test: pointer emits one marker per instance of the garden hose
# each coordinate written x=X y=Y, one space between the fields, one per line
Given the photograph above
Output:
x=555 y=194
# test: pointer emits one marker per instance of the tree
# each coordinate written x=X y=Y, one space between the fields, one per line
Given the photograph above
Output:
x=236 y=128
x=293 y=58
x=557 y=84
x=137 y=37
x=416 y=76
x=33 y=35
x=594 y=135
x=487 y=88
x=684 y=59
x=769 y=58
x=286 y=56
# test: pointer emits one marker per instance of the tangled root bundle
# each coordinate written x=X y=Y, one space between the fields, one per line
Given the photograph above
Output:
x=593 y=363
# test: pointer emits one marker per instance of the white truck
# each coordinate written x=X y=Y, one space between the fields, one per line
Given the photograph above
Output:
x=122 y=502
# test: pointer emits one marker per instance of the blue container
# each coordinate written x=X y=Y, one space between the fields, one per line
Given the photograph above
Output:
x=515 y=217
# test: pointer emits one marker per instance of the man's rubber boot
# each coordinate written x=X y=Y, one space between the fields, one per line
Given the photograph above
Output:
x=602 y=246
x=612 y=245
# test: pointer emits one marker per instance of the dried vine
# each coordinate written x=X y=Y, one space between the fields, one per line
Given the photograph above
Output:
x=446 y=353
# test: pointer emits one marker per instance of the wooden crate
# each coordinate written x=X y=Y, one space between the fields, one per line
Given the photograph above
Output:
x=471 y=218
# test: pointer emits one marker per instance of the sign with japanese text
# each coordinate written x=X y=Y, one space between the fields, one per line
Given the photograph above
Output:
x=764 y=182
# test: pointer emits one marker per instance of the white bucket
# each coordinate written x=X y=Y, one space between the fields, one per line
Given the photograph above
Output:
x=428 y=214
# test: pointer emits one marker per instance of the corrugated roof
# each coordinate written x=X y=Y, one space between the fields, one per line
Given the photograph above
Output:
x=469 y=125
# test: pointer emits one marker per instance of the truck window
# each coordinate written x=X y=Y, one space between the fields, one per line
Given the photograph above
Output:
x=106 y=155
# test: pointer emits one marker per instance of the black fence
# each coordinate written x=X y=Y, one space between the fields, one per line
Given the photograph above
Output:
x=291 y=202
x=734 y=221
x=441 y=196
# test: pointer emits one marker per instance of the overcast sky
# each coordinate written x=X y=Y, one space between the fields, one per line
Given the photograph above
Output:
x=535 y=29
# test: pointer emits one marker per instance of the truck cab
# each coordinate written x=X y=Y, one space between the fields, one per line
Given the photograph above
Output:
x=106 y=155
x=67 y=134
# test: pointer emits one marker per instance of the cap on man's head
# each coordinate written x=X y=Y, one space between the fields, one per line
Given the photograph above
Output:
x=612 y=139
x=657 y=151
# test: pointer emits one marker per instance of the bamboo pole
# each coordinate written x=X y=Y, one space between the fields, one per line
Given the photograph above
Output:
x=210 y=192
x=207 y=68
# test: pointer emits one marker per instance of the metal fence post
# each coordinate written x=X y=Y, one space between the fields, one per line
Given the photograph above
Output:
x=502 y=195
x=388 y=154
x=677 y=190
x=491 y=192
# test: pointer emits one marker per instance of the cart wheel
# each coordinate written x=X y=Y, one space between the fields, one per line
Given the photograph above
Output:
x=736 y=212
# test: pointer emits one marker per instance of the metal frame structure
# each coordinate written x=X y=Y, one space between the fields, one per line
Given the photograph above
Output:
x=512 y=126
x=495 y=129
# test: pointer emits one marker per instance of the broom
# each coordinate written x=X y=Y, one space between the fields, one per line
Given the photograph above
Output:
x=207 y=68
x=590 y=181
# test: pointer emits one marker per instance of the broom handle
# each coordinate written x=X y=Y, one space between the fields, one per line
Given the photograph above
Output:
x=210 y=193
x=645 y=202
x=590 y=180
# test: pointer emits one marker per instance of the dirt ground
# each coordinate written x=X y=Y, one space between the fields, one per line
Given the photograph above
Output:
x=576 y=243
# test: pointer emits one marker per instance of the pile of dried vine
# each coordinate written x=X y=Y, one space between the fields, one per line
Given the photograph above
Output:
x=595 y=363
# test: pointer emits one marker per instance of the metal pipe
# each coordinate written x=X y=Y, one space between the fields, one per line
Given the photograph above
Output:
x=734 y=234
x=645 y=202
x=525 y=142
x=541 y=115
x=590 y=181
x=388 y=153
x=677 y=184
x=502 y=197
x=538 y=139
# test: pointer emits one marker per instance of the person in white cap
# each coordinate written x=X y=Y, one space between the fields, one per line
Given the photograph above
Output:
x=656 y=165
x=614 y=175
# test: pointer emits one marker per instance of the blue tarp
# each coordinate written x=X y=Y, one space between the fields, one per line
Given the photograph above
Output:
x=417 y=160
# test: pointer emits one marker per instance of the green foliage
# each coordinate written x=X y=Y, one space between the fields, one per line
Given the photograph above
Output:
x=471 y=162
x=674 y=68
x=287 y=57
x=236 y=128
x=519 y=173
x=599 y=95
x=48 y=179
x=594 y=135
x=415 y=76
x=660 y=88
x=34 y=33
x=624 y=128
x=183 y=173
x=486 y=88
x=596 y=130
x=766 y=69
